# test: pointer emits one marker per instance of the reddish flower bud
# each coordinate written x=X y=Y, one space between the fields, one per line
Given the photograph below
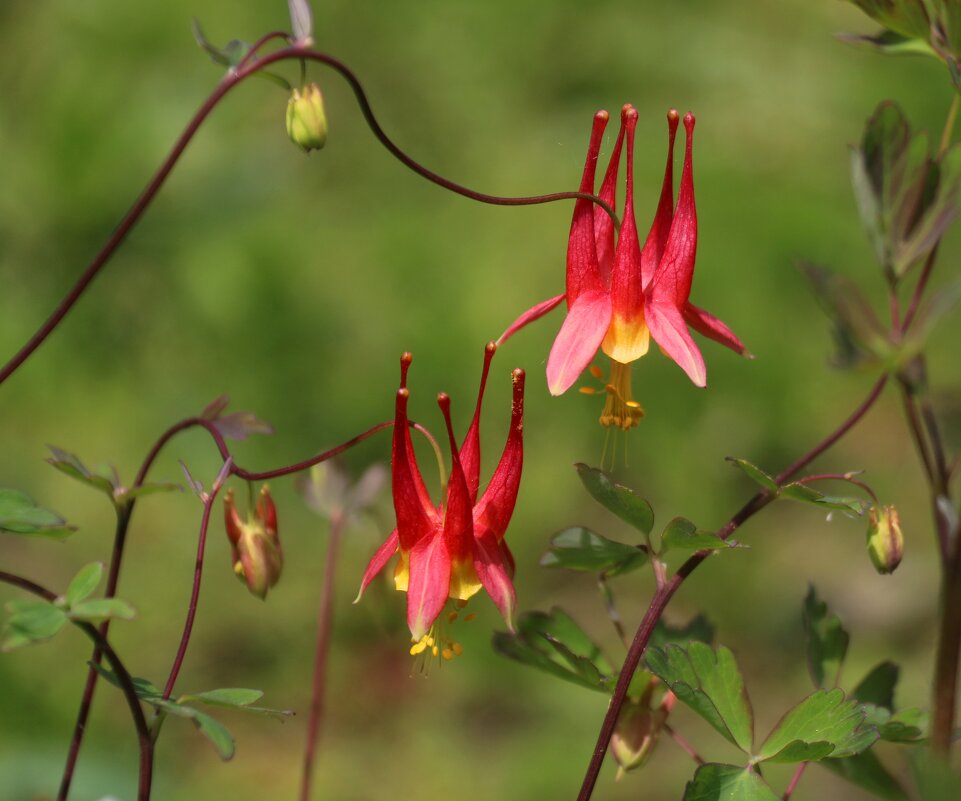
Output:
x=255 y=546
x=637 y=731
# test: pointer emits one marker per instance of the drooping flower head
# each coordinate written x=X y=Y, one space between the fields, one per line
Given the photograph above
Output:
x=619 y=295
x=452 y=549
x=254 y=544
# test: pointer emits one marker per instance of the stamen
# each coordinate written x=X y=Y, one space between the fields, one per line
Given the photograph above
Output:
x=620 y=408
x=470 y=617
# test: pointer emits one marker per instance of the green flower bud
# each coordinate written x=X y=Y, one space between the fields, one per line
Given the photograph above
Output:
x=306 y=119
x=885 y=540
x=636 y=733
x=255 y=547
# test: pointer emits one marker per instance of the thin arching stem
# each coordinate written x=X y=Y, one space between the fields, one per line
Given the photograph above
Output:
x=664 y=593
x=123 y=679
x=232 y=79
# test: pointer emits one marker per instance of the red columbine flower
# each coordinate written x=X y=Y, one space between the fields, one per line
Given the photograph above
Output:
x=453 y=549
x=618 y=297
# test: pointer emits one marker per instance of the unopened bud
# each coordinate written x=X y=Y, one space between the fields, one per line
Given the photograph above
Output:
x=885 y=540
x=636 y=733
x=306 y=118
x=254 y=544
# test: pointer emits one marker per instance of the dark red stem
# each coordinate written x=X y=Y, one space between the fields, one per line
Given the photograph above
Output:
x=123 y=678
x=792 y=785
x=664 y=593
x=325 y=620
x=231 y=80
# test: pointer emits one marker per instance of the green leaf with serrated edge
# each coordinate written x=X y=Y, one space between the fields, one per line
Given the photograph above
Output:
x=84 y=583
x=19 y=515
x=714 y=782
x=823 y=724
x=710 y=683
x=69 y=464
x=582 y=666
x=301 y=20
x=754 y=472
x=30 y=622
x=102 y=609
x=684 y=535
x=827 y=641
x=866 y=771
x=578 y=548
x=621 y=500
x=514 y=647
x=697 y=628
x=907 y=726
x=878 y=686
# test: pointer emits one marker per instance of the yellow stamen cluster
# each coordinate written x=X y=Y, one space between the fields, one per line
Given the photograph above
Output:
x=620 y=408
x=436 y=644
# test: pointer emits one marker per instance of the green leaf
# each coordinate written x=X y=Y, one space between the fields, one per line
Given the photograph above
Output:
x=555 y=644
x=823 y=724
x=906 y=726
x=684 y=535
x=301 y=20
x=890 y=43
x=754 y=472
x=866 y=771
x=710 y=683
x=146 y=690
x=696 y=629
x=69 y=464
x=905 y=17
x=84 y=583
x=236 y=698
x=621 y=500
x=714 y=782
x=102 y=609
x=19 y=515
x=150 y=488
x=581 y=549
x=827 y=641
x=878 y=686
x=30 y=622
x=805 y=494
x=216 y=732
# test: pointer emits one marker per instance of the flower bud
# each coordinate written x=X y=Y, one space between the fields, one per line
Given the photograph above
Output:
x=306 y=119
x=885 y=540
x=255 y=546
x=635 y=735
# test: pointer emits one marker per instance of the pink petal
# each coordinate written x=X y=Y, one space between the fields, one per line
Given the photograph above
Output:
x=429 y=584
x=709 y=326
x=582 y=271
x=670 y=332
x=653 y=248
x=672 y=280
x=493 y=511
x=532 y=314
x=380 y=559
x=578 y=340
x=493 y=573
x=458 y=519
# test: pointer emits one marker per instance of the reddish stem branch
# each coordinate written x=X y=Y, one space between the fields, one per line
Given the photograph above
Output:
x=123 y=679
x=232 y=79
x=792 y=785
x=325 y=621
x=664 y=593
x=846 y=477
x=685 y=746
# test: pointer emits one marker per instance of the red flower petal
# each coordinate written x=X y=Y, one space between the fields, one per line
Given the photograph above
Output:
x=470 y=448
x=415 y=518
x=494 y=574
x=458 y=521
x=429 y=584
x=656 y=241
x=709 y=326
x=379 y=560
x=582 y=269
x=580 y=336
x=528 y=317
x=603 y=224
x=670 y=332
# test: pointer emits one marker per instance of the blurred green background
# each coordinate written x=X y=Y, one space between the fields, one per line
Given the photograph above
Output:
x=293 y=283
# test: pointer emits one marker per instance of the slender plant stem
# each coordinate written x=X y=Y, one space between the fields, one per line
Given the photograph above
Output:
x=917 y=435
x=232 y=79
x=949 y=647
x=664 y=593
x=792 y=785
x=325 y=621
x=686 y=747
x=198 y=575
x=948 y=129
x=123 y=679
x=919 y=288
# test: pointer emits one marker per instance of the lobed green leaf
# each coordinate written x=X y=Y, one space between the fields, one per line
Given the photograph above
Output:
x=826 y=639
x=30 y=622
x=84 y=583
x=715 y=782
x=19 y=515
x=755 y=473
x=684 y=535
x=621 y=500
x=580 y=549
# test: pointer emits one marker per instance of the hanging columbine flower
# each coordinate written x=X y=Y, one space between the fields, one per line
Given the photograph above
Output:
x=618 y=297
x=453 y=549
x=254 y=544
